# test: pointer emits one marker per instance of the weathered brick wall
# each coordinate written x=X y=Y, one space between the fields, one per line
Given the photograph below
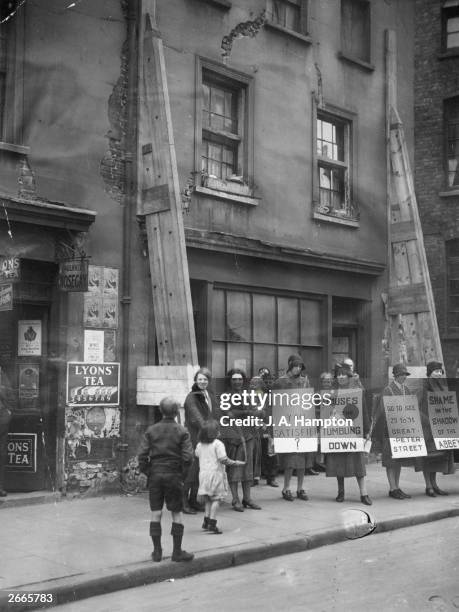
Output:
x=435 y=80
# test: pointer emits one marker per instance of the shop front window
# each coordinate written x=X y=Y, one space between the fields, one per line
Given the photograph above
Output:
x=251 y=330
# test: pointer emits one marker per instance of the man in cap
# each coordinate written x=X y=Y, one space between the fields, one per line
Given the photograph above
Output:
x=381 y=434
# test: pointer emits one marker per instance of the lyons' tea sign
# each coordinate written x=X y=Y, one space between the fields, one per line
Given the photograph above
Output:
x=93 y=384
x=22 y=452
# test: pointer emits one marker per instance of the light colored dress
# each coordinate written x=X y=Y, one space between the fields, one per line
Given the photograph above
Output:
x=213 y=482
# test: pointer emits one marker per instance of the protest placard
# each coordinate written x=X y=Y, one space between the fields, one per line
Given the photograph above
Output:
x=444 y=419
x=342 y=429
x=292 y=415
x=404 y=426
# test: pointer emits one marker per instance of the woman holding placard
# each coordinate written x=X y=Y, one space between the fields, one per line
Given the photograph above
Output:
x=393 y=466
x=436 y=460
x=345 y=465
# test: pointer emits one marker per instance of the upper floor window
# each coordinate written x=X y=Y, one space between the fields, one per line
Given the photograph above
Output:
x=333 y=154
x=450 y=25
x=451 y=108
x=223 y=156
x=220 y=130
x=355 y=30
x=288 y=14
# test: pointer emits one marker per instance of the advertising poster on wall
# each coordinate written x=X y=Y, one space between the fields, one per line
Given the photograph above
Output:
x=29 y=338
x=93 y=384
x=93 y=346
x=6 y=296
x=22 y=452
x=101 y=300
x=92 y=313
x=29 y=385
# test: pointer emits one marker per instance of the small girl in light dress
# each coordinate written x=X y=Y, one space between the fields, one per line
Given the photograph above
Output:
x=213 y=483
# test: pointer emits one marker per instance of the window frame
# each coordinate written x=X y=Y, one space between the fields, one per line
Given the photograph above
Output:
x=349 y=120
x=448 y=101
x=345 y=53
x=449 y=9
x=303 y=32
x=277 y=294
x=11 y=124
x=242 y=84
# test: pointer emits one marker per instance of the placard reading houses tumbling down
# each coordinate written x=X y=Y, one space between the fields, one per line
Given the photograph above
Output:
x=404 y=426
x=93 y=384
x=444 y=419
x=338 y=437
x=291 y=410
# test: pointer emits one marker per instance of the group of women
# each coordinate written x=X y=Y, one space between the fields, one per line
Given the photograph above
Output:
x=251 y=447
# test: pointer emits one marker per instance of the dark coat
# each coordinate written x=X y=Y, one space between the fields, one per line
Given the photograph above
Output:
x=380 y=431
x=197 y=411
x=166 y=448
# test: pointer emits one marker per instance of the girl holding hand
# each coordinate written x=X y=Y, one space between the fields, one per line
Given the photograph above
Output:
x=213 y=483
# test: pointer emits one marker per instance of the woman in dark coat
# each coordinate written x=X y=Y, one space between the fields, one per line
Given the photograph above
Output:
x=294 y=378
x=381 y=433
x=345 y=465
x=436 y=460
x=240 y=443
x=200 y=406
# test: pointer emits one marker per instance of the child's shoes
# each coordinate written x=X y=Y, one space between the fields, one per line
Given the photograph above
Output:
x=205 y=524
x=213 y=526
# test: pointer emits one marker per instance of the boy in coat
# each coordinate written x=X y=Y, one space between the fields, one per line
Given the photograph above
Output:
x=164 y=458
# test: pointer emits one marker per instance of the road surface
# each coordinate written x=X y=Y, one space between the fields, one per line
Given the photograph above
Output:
x=414 y=569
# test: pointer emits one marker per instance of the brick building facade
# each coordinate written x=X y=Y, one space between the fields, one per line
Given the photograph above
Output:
x=436 y=87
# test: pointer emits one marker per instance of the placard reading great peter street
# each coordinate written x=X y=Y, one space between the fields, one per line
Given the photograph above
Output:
x=404 y=426
x=444 y=419
x=342 y=430
x=93 y=384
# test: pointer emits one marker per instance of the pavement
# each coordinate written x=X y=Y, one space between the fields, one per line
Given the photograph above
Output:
x=73 y=549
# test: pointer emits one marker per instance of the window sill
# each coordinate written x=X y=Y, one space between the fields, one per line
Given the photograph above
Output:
x=448 y=54
x=225 y=195
x=338 y=220
x=305 y=38
x=223 y=4
x=369 y=67
x=452 y=193
x=14 y=148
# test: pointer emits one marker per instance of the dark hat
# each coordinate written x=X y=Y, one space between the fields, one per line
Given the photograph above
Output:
x=433 y=365
x=400 y=369
x=295 y=360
